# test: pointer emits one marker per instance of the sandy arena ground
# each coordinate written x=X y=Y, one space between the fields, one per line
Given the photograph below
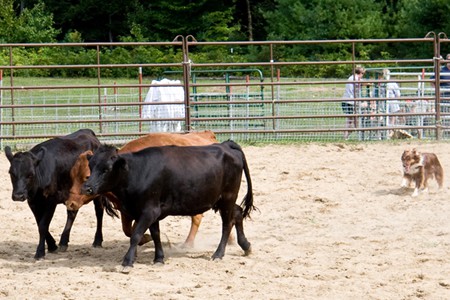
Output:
x=333 y=223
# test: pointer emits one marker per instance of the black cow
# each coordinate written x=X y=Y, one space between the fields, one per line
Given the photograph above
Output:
x=42 y=176
x=160 y=181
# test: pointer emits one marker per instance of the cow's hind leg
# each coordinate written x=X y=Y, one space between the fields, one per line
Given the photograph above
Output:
x=159 y=252
x=227 y=225
x=128 y=227
x=65 y=235
x=195 y=224
x=242 y=240
x=51 y=243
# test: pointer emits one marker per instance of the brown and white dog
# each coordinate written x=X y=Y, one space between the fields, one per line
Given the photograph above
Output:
x=418 y=168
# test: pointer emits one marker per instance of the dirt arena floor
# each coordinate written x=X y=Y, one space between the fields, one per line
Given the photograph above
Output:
x=333 y=223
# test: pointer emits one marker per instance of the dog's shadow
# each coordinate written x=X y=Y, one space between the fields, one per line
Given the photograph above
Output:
x=401 y=191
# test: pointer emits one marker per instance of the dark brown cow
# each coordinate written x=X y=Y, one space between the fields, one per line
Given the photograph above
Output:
x=80 y=172
x=157 y=182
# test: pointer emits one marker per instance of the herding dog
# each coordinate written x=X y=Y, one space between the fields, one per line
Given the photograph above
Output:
x=418 y=168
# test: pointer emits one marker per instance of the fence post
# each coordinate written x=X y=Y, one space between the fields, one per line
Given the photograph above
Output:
x=99 y=91
x=1 y=110
x=140 y=99
x=186 y=75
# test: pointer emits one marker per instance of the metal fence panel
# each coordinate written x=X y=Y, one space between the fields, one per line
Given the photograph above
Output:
x=243 y=101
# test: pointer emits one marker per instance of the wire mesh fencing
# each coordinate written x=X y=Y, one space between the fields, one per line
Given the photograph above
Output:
x=245 y=101
x=307 y=112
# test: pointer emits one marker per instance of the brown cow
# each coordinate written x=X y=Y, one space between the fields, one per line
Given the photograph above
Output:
x=80 y=172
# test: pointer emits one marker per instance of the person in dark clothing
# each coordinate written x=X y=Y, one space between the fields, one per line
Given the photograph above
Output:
x=444 y=86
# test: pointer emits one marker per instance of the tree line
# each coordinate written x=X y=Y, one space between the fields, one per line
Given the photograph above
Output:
x=46 y=21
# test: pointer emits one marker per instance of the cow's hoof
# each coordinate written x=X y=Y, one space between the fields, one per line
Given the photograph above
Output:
x=53 y=249
x=63 y=248
x=248 y=251
x=97 y=245
x=187 y=245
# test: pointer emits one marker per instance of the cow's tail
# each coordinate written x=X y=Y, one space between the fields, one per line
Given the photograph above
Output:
x=247 y=202
x=109 y=207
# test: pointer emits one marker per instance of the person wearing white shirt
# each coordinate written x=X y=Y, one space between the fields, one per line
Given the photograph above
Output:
x=392 y=91
x=352 y=91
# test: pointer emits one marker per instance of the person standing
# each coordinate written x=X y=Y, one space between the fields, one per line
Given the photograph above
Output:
x=392 y=91
x=352 y=91
x=444 y=86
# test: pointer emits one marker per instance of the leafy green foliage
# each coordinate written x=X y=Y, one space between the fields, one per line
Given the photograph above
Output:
x=33 y=25
x=7 y=20
x=44 y=21
x=417 y=18
x=325 y=19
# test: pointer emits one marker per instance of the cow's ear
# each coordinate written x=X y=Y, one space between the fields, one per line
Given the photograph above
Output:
x=40 y=155
x=121 y=163
x=88 y=154
x=9 y=153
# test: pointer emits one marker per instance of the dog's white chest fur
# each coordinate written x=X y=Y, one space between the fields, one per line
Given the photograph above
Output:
x=414 y=168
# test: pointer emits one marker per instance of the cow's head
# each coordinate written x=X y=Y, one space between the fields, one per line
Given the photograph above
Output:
x=23 y=172
x=107 y=169
x=79 y=174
